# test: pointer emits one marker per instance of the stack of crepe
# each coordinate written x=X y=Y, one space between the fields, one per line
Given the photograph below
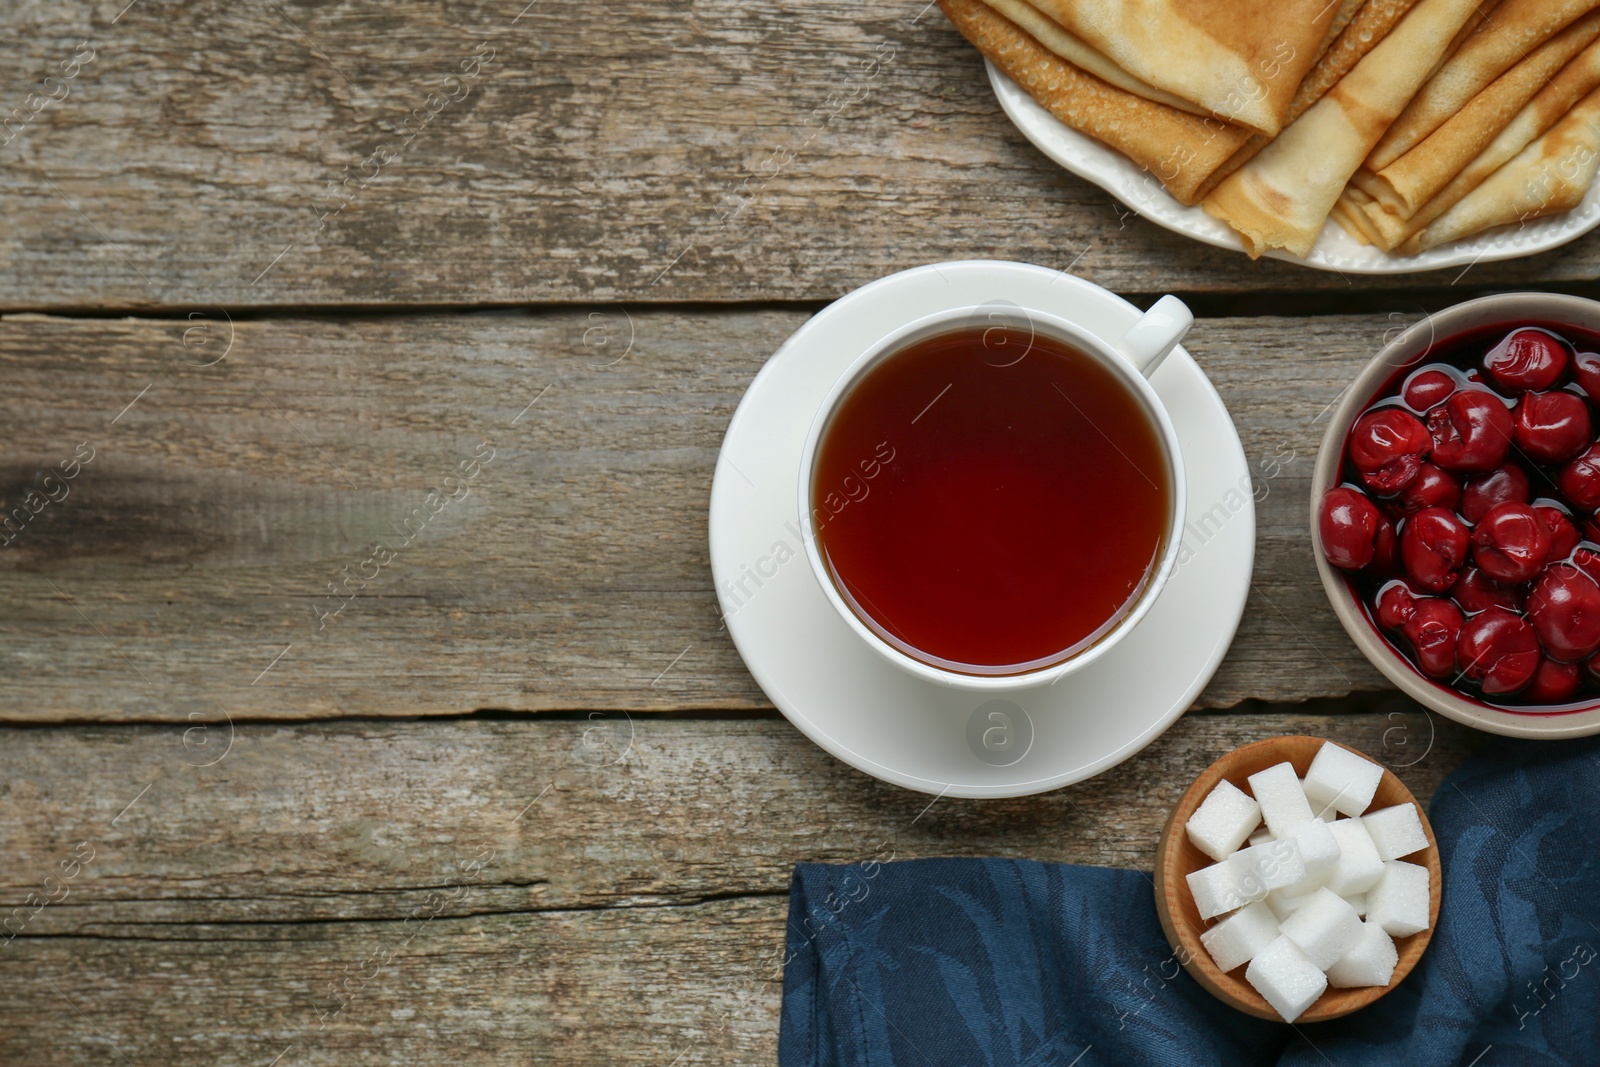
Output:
x=1411 y=122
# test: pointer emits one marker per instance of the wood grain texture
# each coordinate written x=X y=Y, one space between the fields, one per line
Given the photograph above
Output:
x=186 y=569
x=360 y=820
x=629 y=906
x=631 y=986
x=252 y=155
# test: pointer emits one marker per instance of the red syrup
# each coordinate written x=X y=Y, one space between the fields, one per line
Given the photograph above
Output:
x=991 y=502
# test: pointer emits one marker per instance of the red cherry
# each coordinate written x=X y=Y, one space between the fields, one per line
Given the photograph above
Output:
x=1551 y=427
x=1527 y=359
x=1386 y=448
x=1511 y=543
x=1471 y=431
x=1564 y=608
x=1385 y=548
x=1431 y=487
x=1554 y=682
x=1579 y=480
x=1498 y=649
x=1587 y=560
x=1475 y=591
x=1396 y=602
x=1427 y=387
x=1433 y=630
x=1433 y=544
x=1348 y=525
x=1563 y=535
x=1587 y=368
x=1503 y=485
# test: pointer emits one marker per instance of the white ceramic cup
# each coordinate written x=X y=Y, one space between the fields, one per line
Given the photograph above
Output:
x=1132 y=358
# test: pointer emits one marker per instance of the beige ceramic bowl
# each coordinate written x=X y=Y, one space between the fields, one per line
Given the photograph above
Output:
x=1407 y=350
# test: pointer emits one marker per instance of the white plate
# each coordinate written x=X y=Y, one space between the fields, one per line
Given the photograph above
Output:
x=1334 y=250
x=916 y=734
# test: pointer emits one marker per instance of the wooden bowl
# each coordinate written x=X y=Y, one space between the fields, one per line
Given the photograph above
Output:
x=1176 y=858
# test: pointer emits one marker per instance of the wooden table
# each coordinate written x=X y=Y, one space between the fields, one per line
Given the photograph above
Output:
x=277 y=276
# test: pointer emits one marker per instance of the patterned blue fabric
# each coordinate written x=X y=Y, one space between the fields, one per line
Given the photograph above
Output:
x=1010 y=962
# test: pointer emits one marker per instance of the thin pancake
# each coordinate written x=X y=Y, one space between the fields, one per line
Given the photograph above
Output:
x=1047 y=32
x=1551 y=175
x=1370 y=25
x=1575 y=81
x=1178 y=148
x=1414 y=178
x=1239 y=60
x=1512 y=30
x=1282 y=197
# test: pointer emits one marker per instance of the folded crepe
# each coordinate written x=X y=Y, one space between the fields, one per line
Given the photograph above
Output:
x=1390 y=232
x=1414 y=178
x=1179 y=148
x=1350 y=38
x=1239 y=60
x=1049 y=33
x=1551 y=175
x=1282 y=197
x=1512 y=30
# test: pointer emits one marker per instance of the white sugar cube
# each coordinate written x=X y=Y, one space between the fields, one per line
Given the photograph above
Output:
x=1370 y=962
x=1340 y=779
x=1325 y=927
x=1395 y=831
x=1358 y=867
x=1399 y=902
x=1236 y=939
x=1289 y=982
x=1358 y=901
x=1327 y=813
x=1223 y=820
x=1283 y=802
x=1273 y=865
x=1285 y=902
x=1220 y=888
x=1260 y=837
x=1318 y=851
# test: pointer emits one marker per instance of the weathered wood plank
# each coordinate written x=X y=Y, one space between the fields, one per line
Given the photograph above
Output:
x=188 y=566
x=362 y=820
x=626 y=986
x=286 y=154
x=629 y=907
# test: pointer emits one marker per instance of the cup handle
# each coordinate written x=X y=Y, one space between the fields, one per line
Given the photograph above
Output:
x=1157 y=333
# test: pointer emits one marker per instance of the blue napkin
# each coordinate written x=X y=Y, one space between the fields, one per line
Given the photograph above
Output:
x=1010 y=962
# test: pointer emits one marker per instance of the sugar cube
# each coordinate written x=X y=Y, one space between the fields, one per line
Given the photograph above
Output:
x=1283 y=802
x=1358 y=901
x=1395 y=831
x=1219 y=888
x=1285 y=902
x=1289 y=982
x=1327 y=813
x=1223 y=820
x=1236 y=939
x=1260 y=837
x=1341 y=779
x=1399 y=902
x=1370 y=962
x=1358 y=866
x=1318 y=850
x=1325 y=927
x=1273 y=865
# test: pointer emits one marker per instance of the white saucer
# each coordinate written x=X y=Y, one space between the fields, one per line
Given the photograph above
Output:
x=1335 y=249
x=917 y=734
